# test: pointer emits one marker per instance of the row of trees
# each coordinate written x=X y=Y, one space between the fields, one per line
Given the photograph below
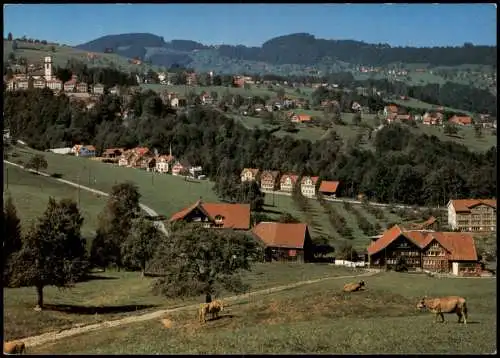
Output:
x=53 y=252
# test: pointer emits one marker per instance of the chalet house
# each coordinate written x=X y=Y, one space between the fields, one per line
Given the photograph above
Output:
x=216 y=215
x=126 y=158
x=112 y=153
x=180 y=168
x=356 y=107
x=432 y=118
x=472 y=214
x=461 y=120
x=98 y=89
x=301 y=118
x=287 y=182
x=249 y=174
x=285 y=241
x=141 y=158
x=394 y=117
x=163 y=163
x=269 y=180
x=83 y=150
x=449 y=252
x=390 y=109
x=329 y=188
x=308 y=186
x=82 y=87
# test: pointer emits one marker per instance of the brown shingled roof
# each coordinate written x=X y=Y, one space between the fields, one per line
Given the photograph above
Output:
x=460 y=245
x=464 y=205
x=236 y=216
x=328 y=186
x=286 y=235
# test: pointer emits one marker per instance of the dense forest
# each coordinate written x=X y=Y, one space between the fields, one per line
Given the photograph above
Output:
x=300 y=49
x=403 y=167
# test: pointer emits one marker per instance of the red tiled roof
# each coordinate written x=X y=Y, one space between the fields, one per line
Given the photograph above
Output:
x=291 y=176
x=392 y=108
x=302 y=117
x=328 y=186
x=236 y=216
x=314 y=179
x=461 y=120
x=287 y=235
x=460 y=245
x=140 y=150
x=464 y=205
x=273 y=173
x=89 y=147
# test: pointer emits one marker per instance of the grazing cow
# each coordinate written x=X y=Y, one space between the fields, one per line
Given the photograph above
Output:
x=14 y=347
x=202 y=312
x=215 y=307
x=441 y=305
x=353 y=287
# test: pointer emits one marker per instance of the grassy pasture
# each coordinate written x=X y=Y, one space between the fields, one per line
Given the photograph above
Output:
x=30 y=193
x=316 y=318
x=112 y=295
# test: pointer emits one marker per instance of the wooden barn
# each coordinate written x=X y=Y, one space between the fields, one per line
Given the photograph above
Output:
x=285 y=241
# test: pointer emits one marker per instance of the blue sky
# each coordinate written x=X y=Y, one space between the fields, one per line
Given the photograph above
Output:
x=252 y=24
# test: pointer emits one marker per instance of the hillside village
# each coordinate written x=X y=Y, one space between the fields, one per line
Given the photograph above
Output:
x=202 y=185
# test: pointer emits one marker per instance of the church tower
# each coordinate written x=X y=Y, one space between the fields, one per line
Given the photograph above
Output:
x=48 y=68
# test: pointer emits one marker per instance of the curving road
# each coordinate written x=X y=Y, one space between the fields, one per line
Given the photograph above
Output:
x=160 y=225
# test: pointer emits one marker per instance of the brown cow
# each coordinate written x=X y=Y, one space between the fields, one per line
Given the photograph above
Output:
x=353 y=287
x=215 y=307
x=202 y=312
x=14 y=347
x=441 y=305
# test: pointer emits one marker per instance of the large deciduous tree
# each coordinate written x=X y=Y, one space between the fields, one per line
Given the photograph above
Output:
x=198 y=261
x=115 y=224
x=53 y=251
x=140 y=245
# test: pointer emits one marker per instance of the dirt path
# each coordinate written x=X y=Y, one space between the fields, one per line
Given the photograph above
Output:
x=54 y=336
x=147 y=209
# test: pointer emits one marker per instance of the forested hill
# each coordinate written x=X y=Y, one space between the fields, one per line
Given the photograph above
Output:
x=300 y=49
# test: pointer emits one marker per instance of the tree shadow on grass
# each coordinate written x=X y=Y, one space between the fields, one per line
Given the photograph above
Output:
x=90 y=310
x=91 y=277
x=270 y=211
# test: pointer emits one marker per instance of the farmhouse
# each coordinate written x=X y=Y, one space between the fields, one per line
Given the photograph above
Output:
x=300 y=118
x=390 y=109
x=112 y=153
x=287 y=182
x=472 y=214
x=125 y=158
x=83 y=150
x=450 y=252
x=249 y=174
x=308 y=186
x=329 y=188
x=181 y=167
x=285 y=241
x=163 y=163
x=216 y=215
x=269 y=180
x=98 y=89
x=461 y=120
x=432 y=118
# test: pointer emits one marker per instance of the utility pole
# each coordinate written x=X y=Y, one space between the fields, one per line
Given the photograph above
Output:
x=78 y=190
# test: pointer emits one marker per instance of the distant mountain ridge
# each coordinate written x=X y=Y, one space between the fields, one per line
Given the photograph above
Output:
x=300 y=49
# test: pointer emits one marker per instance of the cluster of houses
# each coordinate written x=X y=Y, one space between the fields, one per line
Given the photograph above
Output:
x=44 y=78
x=273 y=180
x=420 y=248
x=393 y=113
